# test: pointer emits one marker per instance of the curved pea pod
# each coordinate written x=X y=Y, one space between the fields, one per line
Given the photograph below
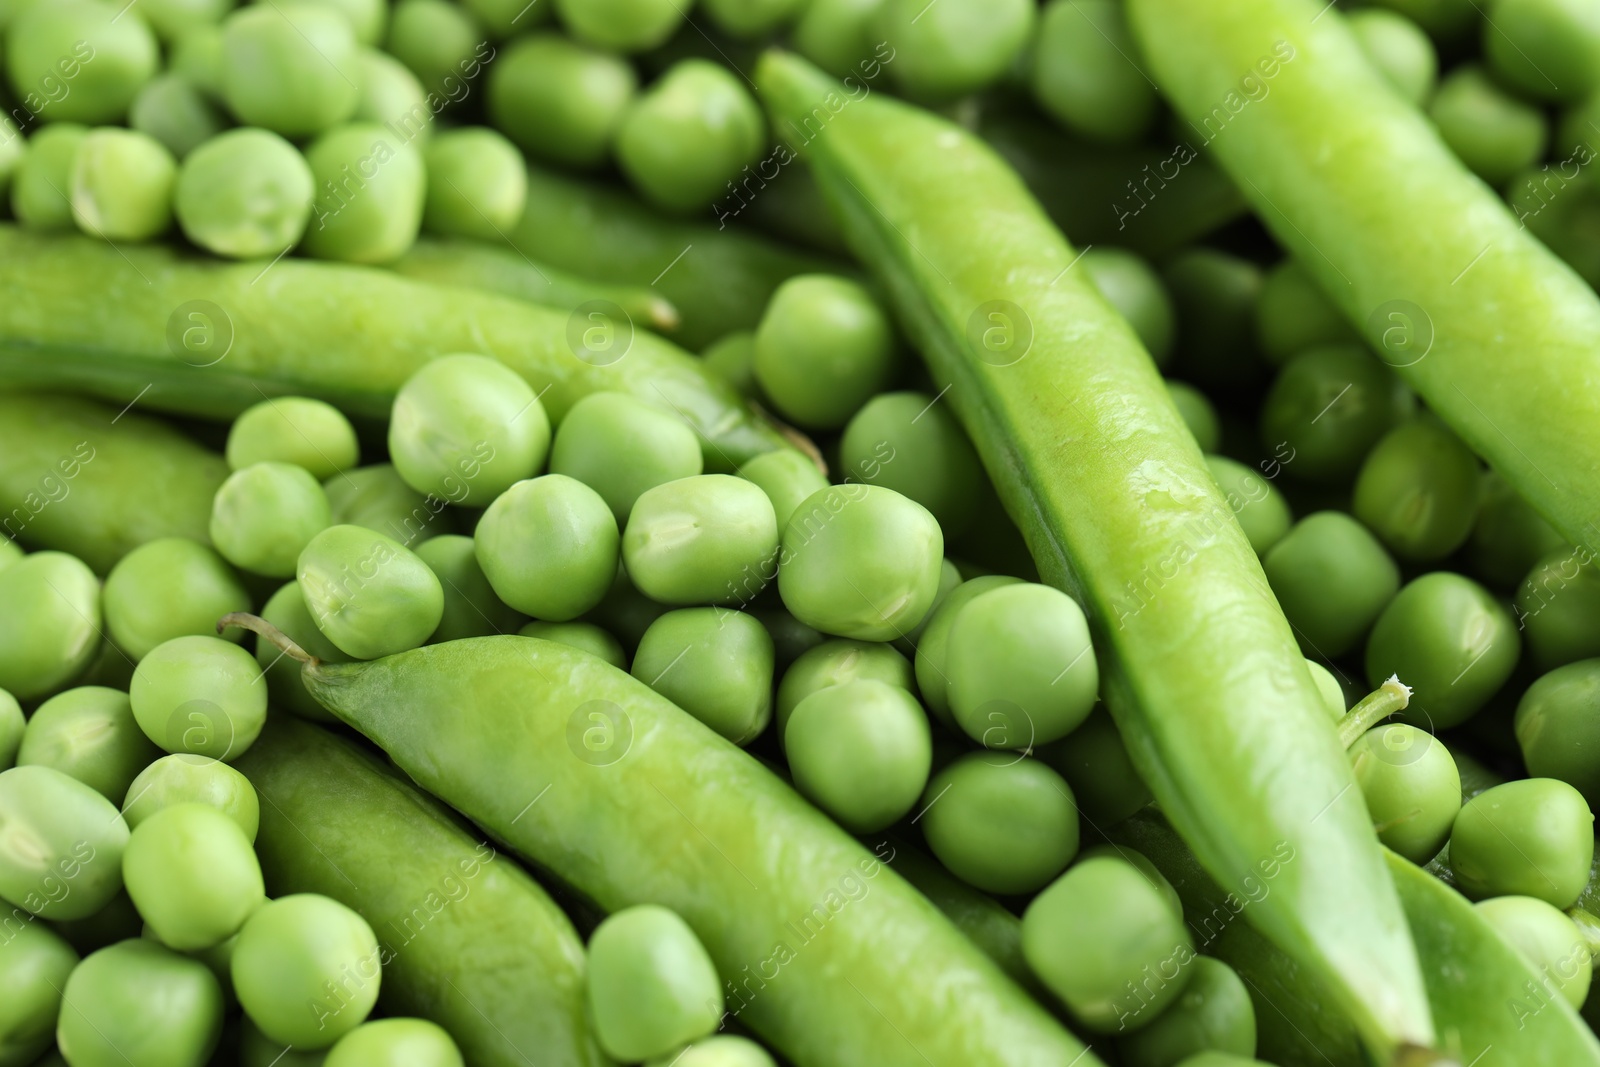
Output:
x=593 y=776
x=210 y=338
x=466 y=937
x=81 y=477
x=1199 y=668
x=1498 y=335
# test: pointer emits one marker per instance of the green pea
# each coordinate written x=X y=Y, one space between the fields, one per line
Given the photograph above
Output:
x=122 y=184
x=949 y=578
x=911 y=443
x=933 y=679
x=687 y=136
x=840 y=36
x=1328 y=407
x=651 y=985
x=1558 y=607
x=1106 y=941
x=1533 y=837
x=1558 y=726
x=836 y=662
x=196 y=55
x=395 y=1043
x=860 y=561
x=620 y=446
x=1550 y=942
x=294 y=429
x=1492 y=132
x=371 y=192
x=751 y=19
x=1293 y=315
x=367 y=18
x=1197 y=413
x=1133 y=288
x=264 y=515
x=1214 y=295
x=1450 y=640
x=169 y=18
x=1546 y=49
x=955 y=47
x=1082 y=73
x=787 y=477
x=287 y=610
x=307 y=970
x=369 y=594
x=168 y=588
x=392 y=96
x=61 y=853
x=558 y=100
x=628 y=613
x=1003 y=824
x=709 y=539
x=90 y=734
x=1411 y=786
x=1333 y=700
x=12 y=727
x=378 y=499
x=42 y=186
x=1256 y=503
x=1332 y=578
x=50 y=629
x=10 y=552
x=200 y=695
x=258 y=1050
x=173 y=111
x=733 y=358
x=441 y=42
x=549 y=547
x=193 y=876
x=861 y=751
x=477 y=184
x=502 y=18
x=102 y=57
x=823 y=349
x=1418 y=490
x=1214 y=1013
x=714 y=664
x=1509 y=537
x=290 y=67
x=137 y=1002
x=471 y=608
x=1142 y=863
x=1095 y=763
x=620 y=25
x=580 y=635
x=1400 y=50
x=184 y=778
x=245 y=193
x=719 y=1050
x=34 y=965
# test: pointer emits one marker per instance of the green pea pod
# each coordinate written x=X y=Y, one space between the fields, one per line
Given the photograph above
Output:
x=467 y=938
x=82 y=477
x=209 y=338
x=475 y=265
x=1199 y=668
x=593 y=776
x=1498 y=335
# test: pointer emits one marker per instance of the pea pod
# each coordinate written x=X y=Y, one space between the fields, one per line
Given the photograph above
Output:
x=1448 y=287
x=467 y=938
x=80 y=477
x=208 y=338
x=596 y=778
x=1199 y=668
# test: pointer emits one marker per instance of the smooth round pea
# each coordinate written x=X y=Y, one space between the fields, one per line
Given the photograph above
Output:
x=751 y=19
x=1546 y=49
x=549 y=547
x=1133 y=288
x=1197 y=413
x=713 y=663
x=840 y=36
x=1214 y=1013
x=395 y=1043
x=620 y=446
x=584 y=636
x=367 y=18
x=620 y=25
x=627 y=613
x=836 y=662
x=1491 y=131
x=1214 y=294
x=1001 y=823
x=1411 y=786
x=287 y=610
x=245 y=193
x=370 y=595
x=709 y=539
x=719 y=1050
x=1333 y=700
x=294 y=429
x=1558 y=727
x=1082 y=75
x=185 y=778
x=954 y=47
x=933 y=647
x=258 y=1050
x=1020 y=670
x=174 y=112
x=170 y=18
x=1259 y=507
x=1095 y=763
x=1400 y=50
x=860 y=561
x=502 y=18
x=823 y=349
x=651 y=985
x=42 y=185
x=477 y=183
x=193 y=876
x=1509 y=537
x=559 y=100
x=732 y=358
x=122 y=184
x=168 y=588
x=378 y=499
x=196 y=54
x=50 y=628
x=1328 y=407
x=1292 y=314
x=471 y=608
x=787 y=477
x=1558 y=608
x=1418 y=490
x=1107 y=942
x=90 y=734
x=1332 y=578
x=264 y=515
x=1533 y=837
x=290 y=954
x=34 y=965
x=860 y=751
x=392 y=96
x=911 y=443
x=61 y=853
x=12 y=727
x=290 y=67
x=1449 y=639
x=441 y=42
x=373 y=186
x=687 y=136
x=101 y=57
x=1142 y=863
x=949 y=578
x=137 y=1002
x=200 y=695
x=1547 y=939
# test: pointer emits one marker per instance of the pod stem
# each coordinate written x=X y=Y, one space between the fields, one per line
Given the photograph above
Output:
x=1390 y=697
x=262 y=628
